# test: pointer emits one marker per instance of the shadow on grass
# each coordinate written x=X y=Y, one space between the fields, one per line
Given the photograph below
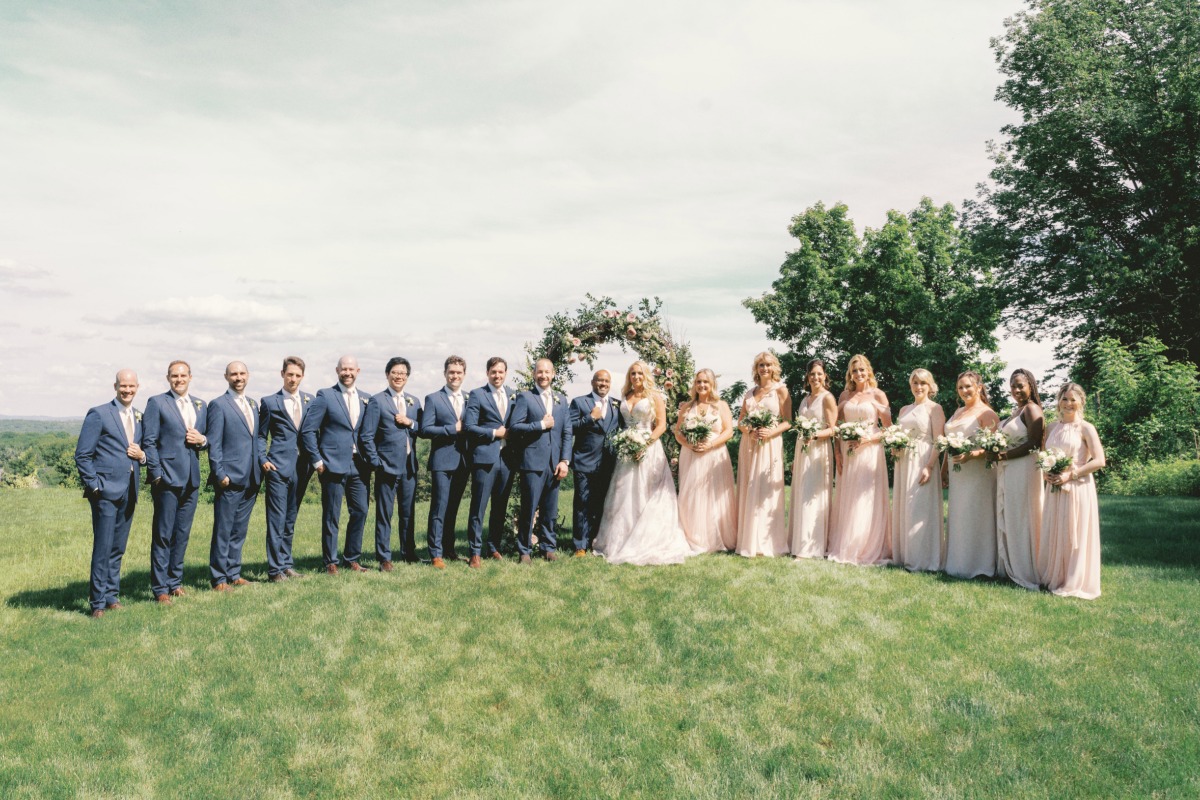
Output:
x=1151 y=532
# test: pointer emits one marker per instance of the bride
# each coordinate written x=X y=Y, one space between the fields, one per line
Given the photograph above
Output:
x=640 y=524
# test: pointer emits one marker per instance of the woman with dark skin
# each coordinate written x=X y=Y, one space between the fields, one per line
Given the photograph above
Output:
x=1019 y=485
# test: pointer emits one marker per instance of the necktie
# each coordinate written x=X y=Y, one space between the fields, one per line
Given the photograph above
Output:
x=603 y=403
x=352 y=407
x=295 y=401
x=189 y=414
x=399 y=403
x=546 y=401
x=245 y=404
x=456 y=401
x=502 y=403
x=127 y=415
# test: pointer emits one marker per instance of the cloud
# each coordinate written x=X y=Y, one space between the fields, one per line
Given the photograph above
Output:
x=26 y=280
x=214 y=319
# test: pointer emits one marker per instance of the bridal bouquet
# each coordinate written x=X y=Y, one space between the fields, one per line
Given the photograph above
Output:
x=993 y=442
x=630 y=443
x=852 y=431
x=760 y=419
x=696 y=430
x=1053 y=462
x=807 y=428
x=955 y=444
x=897 y=440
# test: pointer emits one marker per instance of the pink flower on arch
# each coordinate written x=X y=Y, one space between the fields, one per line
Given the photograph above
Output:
x=630 y=333
x=575 y=341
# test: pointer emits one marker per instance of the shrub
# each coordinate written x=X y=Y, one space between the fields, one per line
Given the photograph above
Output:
x=1156 y=478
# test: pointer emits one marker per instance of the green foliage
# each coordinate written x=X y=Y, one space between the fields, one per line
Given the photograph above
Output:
x=32 y=459
x=1144 y=406
x=1156 y=478
x=1093 y=207
x=910 y=294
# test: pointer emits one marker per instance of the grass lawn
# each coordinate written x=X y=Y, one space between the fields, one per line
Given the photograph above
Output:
x=720 y=678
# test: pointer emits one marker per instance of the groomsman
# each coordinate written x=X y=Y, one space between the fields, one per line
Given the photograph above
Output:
x=173 y=437
x=388 y=442
x=235 y=471
x=542 y=426
x=109 y=457
x=287 y=467
x=329 y=436
x=489 y=410
x=594 y=417
x=449 y=465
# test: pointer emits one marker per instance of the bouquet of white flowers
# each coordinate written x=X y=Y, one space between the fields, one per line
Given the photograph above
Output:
x=955 y=444
x=1053 y=462
x=807 y=428
x=993 y=442
x=630 y=443
x=696 y=430
x=760 y=419
x=852 y=431
x=897 y=440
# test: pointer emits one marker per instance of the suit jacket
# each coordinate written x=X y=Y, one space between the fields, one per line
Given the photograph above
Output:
x=326 y=433
x=233 y=449
x=385 y=444
x=275 y=421
x=591 y=448
x=449 y=449
x=481 y=417
x=164 y=438
x=541 y=449
x=100 y=453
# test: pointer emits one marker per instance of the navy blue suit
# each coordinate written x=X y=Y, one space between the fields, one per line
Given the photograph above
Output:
x=233 y=453
x=110 y=480
x=173 y=467
x=287 y=483
x=493 y=461
x=449 y=468
x=391 y=450
x=593 y=461
x=327 y=436
x=541 y=452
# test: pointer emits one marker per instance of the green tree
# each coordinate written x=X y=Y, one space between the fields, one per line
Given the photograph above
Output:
x=910 y=294
x=1093 y=207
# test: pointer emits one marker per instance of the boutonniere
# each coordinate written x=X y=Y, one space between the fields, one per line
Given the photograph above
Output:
x=305 y=398
x=199 y=403
x=408 y=401
x=365 y=401
x=252 y=404
x=137 y=415
x=558 y=400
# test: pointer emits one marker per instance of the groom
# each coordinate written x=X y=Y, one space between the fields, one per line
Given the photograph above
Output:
x=594 y=417
x=541 y=428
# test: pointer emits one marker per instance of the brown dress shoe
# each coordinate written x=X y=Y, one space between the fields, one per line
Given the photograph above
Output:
x=496 y=557
x=280 y=578
x=580 y=553
x=162 y=599
x=475 y=563
x=291 y=573
x=356 y=567
x=525 y=559
x=114 y=606
x=385 y=566
x=551 y=555
x=331 y=569
x=178 y=592
x=439 y=563
x=221 y=587
x=97 y=613
x=240 y=582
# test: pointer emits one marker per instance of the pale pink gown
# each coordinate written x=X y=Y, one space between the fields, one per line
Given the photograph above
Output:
x=761 y=523
x=812 y=488
x=861 y=531
x=1018 y=511
x=918 y=532
x=1069 y=548
x=971 y=523
x=707 y=500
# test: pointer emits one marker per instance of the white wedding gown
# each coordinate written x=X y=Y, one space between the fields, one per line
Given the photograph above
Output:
x=641 y=516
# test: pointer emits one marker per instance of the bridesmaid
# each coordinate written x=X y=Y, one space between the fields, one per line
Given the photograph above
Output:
x=971 y=528
x=761 y=527
x=861 y=528
x=918 y=533
x=707 y=502
x=1068 y=554
x=1019 y=485
x=812 y=471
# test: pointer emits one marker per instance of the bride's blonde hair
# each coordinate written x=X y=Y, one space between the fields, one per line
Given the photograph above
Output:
x=651 y=389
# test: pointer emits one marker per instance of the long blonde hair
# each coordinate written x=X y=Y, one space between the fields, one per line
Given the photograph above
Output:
x=853 y=387
x=712 y=378
x=771 y=361
x=1073 y=388
x=651 y=388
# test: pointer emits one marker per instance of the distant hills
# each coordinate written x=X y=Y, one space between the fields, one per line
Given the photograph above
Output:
x=10 y=424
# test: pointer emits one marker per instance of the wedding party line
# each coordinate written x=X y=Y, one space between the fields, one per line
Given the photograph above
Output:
x=1022 y=498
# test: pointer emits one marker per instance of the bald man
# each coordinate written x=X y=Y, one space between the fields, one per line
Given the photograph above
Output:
x=235 y=470
x=594 y=418
x=109 y=457
x=329 y=437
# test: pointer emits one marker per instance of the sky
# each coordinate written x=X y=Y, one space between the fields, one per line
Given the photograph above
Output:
x=228 y=181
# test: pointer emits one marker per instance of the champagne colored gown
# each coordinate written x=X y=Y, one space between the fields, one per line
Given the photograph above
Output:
x=971 y=528
x=1018 y=511
x=761 y=524
x=812 y=488
x=861 y=532
x=640 y=524
x=918 y=532
x=1068 y=554
x=707 y=500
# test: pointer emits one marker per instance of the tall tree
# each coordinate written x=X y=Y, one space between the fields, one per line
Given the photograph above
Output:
x=910 y=294
x=1093 y=207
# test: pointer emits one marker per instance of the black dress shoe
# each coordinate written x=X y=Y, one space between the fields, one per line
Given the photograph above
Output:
x=291 y=573
x=280 y=578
